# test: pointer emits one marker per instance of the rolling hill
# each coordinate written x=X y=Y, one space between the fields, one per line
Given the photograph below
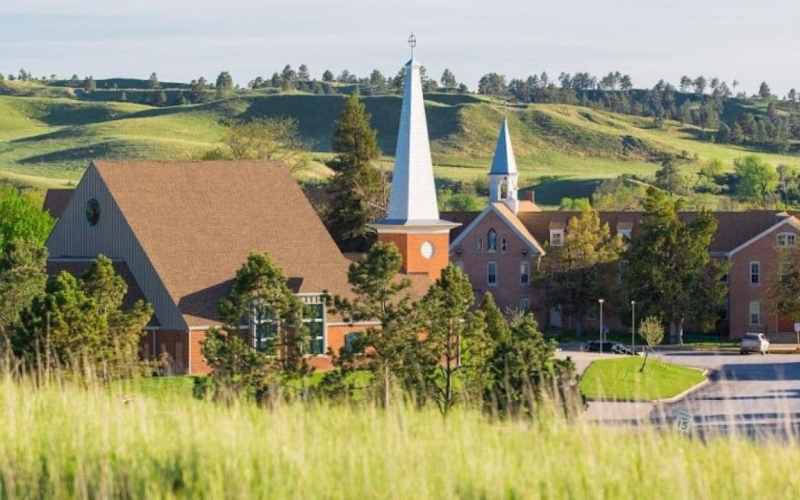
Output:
x=48 y=140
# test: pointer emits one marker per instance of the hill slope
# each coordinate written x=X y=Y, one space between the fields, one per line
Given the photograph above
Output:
x=52 y=139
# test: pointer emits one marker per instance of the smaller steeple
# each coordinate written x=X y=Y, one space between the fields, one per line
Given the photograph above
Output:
x=503 y=172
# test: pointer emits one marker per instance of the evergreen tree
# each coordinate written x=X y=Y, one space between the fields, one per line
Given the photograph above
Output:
x=380 y=295
x=764 y=91
x=670 y=178
x=448 y=79
x=455 y=345
x=81 y=320
x=358 y=189
x=224 y=84
x=669 y=271
x=376 y=79
x=580 y=271
x=152 y=82
x=302 y=73
x=327 y=76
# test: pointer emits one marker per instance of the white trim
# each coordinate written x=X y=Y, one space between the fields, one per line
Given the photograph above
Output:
x=790 y=220
x=750 y=273
x=536 y=248
x=496 y=280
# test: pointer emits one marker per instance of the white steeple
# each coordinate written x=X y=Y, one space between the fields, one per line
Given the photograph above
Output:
x=503 y=172
x=413 y=197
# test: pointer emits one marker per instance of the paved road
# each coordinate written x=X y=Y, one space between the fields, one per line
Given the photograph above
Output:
x=753 y=394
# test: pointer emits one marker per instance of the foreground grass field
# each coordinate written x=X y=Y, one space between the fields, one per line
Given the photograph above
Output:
x=60 y=441
x=621 y=378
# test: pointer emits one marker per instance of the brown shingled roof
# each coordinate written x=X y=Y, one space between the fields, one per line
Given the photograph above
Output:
x=198 y=221
x=734 y=228
x=56 y=200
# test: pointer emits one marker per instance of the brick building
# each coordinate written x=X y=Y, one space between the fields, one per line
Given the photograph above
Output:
x=500 y=246
x=177 y=232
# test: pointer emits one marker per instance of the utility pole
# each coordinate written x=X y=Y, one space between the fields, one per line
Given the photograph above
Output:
x=600 y=301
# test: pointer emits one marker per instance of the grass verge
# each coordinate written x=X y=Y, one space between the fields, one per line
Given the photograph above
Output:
x=622 y=379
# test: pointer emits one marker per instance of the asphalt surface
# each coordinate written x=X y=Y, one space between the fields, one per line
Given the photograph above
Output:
x=751 y=394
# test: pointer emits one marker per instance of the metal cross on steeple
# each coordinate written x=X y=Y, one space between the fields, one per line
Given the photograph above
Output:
x=412 y=42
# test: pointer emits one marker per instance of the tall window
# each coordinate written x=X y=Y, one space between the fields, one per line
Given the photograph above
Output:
x=524 y=304
x=755 y=273
x=755 y=313
x=556 y=237
x=503 y=245
x=351 y=342
x=491 y=274
x=491 y=241
x=524 y=273
x=314 y=319
x=504 y=189
x=786 y=240
x=266 y=329
x=479 y=244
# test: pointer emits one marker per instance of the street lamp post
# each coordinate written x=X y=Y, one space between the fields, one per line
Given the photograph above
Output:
x=600 y=301
x=633 y=326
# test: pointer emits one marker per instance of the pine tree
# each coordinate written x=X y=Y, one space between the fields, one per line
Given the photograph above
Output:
x=22 y=278
x=380 y=295
x=455 y=346
x=303 y=74
x=358 y=189
x=448 y=79
x=224 y=84
x=764 y=91
x=669 y=271
x=153 y=82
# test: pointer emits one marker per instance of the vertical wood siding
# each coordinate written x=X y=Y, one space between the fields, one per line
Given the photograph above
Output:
x=73 y=237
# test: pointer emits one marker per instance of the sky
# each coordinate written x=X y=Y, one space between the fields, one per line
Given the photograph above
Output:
x=748 y=41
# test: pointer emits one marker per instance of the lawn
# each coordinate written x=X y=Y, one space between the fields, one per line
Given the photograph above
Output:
x=58 y=440
x=621 y=379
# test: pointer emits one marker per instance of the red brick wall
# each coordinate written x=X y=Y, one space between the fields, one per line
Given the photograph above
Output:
x=742 y=292
x=413 y=261
x=509 y=291
x=197 y=365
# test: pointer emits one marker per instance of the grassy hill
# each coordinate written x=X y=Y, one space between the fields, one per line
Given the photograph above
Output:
x=47 y=140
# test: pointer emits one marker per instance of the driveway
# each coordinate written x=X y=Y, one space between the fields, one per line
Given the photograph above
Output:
x=753 y=394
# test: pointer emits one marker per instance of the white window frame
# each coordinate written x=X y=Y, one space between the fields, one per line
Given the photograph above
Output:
x=786 y=240
x=754 y=271
x=524 y=303
x=524 y=273
x=489 y=266
x=625 y=233
x=556 y=233
x=754 y=313
x=491 y=234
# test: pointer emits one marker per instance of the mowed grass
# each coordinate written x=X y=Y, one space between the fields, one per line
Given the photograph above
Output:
x=60 y=441
x=565 y=150
x=621 y=379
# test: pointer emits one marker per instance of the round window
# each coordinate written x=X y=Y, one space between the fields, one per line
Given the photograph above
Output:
x=92 y=212
x=426 y=249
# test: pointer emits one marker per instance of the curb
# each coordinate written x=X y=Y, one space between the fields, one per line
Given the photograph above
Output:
x=673 y=399
x=690 y=390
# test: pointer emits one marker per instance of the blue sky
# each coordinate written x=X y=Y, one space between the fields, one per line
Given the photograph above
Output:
x=749 y=41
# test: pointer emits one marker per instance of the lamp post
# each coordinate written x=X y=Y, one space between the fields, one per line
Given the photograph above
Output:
x=600 y=301
x=633 y=326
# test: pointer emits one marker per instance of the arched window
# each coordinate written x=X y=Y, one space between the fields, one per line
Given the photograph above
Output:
x=504 y=189
x=503 y=245
x=491 y=241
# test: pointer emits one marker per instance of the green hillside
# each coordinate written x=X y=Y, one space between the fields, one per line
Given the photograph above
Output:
x=49 y=140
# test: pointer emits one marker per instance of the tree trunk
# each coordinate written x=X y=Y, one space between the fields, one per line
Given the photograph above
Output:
x=386 y=385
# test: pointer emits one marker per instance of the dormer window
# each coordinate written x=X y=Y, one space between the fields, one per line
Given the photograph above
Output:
x=786 y=240
x=491 y=241
x=556 y=237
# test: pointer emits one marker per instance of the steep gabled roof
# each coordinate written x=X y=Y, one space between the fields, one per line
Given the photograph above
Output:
x=198 y=221
x=56 y=200
x=506 y=215
x=734 y=228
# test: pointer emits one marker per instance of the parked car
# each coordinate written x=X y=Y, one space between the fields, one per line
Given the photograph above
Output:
x=754 y=342
x=609 y=347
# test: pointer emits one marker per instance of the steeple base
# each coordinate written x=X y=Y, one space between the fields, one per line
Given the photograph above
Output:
x=425 y=249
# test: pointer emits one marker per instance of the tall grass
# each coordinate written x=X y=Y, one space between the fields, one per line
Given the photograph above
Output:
x=59 y=440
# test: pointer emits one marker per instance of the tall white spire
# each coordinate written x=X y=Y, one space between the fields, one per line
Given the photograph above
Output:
x=504 y=162
x=413 y=197
x=503 y=172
